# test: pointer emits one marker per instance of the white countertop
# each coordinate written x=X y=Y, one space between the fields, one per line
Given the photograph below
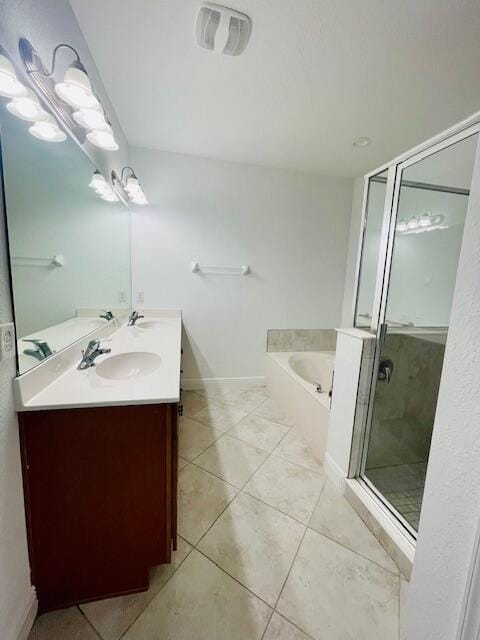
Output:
x=58 y=384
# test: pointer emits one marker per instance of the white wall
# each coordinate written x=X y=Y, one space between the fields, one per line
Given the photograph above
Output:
x=46 y=24
x=451 y=502
x=291 y=228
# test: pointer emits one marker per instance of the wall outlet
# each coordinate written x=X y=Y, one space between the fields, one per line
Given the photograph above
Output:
x=7 y=341
x=122 y=296
x=140 y=296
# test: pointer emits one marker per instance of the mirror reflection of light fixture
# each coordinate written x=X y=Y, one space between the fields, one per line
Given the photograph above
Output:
x=48 y=130
x=10 y=85
x=103 y=138
x=91 y=119
x=72 y=99
x=130 y=184
x=102 y=188
x=27 y=107
x=420 y=223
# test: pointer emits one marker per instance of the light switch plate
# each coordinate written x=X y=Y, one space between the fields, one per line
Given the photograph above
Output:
x=7 y=341
x=122 y=295
x=140 y=296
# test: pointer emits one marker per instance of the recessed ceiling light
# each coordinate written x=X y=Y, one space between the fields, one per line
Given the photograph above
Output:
x=362 y=142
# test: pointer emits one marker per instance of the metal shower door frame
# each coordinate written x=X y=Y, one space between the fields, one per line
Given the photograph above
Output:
x=451 y=136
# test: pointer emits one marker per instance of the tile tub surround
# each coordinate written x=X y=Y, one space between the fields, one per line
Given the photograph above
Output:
x=307 y=409
x=301 y=339
x=283 y=556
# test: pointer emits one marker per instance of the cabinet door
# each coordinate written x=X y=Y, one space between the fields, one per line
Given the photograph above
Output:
x=98 y=499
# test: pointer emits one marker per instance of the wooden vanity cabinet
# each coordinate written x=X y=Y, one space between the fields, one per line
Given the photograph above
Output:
x=100 y=498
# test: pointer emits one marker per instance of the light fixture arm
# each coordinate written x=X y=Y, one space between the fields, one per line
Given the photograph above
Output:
x=132 y=174
x=48 y=74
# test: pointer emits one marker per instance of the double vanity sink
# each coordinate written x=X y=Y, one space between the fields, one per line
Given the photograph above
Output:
x=143 y=366
x=99 y=456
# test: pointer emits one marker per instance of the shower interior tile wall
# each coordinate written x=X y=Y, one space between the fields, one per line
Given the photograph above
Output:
x=405 y=411
x=301 y=340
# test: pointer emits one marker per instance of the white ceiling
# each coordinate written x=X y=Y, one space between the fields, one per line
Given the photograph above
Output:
x=315 y=75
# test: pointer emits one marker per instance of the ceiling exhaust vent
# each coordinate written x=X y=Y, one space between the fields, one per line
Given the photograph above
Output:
x=222 y=30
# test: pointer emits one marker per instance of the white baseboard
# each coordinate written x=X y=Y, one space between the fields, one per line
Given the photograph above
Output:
x=25 y=621
x=190 y=384
x=334 y=473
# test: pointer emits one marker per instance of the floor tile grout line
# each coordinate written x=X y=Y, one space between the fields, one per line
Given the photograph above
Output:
x=296 y=554
x=236 y=406
x=284 y=617
x=161 y=588
x=219 y=515
x=268 y=624
x=340 y=544
x=267 y=504
x=348 y=548
x=250 y=495
x=255 y=595
x=89 y=622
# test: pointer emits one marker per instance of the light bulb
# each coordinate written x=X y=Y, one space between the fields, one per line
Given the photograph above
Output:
x=402 y=225
x=10 y=86
x=109 y=196
x=425 y=220
x=133 y=186
x=92 y=119
x=103 y=139
x=76 y=89
x=27 y=107
x=97 y=182
x=139 y=199
x=412 y=223
x=48 y=130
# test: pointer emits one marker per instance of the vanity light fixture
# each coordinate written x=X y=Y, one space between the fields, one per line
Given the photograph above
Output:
x=73 y=99
x=24 y=104
x=418 y=224
x=130 y=185
x=27 y=107
x=102 y=188
x=91 y=119
x=48 y=130
x=10 y=85
x=103 y=138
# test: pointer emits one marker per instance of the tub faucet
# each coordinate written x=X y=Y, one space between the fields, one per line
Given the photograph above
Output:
x=318 y=387
x=92 y=351
x=107 y=315
x=133 y=318
x=41 y=351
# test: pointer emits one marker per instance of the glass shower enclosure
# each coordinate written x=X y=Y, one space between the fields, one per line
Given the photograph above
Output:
x=414 y=215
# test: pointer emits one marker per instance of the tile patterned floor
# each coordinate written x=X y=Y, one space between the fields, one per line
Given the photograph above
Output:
x=403 y=486
x=268 y=549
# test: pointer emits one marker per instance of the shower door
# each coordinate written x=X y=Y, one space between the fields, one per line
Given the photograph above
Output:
x=425 y=231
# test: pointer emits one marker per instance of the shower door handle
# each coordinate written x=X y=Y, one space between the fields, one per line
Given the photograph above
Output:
x=385 y=370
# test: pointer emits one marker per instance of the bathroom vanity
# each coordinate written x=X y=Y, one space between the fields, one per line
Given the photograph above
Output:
x=99 y=457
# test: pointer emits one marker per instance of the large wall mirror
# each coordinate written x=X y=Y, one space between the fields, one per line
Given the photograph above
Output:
x=69 y=249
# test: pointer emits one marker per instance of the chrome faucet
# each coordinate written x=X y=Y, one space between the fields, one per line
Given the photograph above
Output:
x=107 y=315
x=133 y=318
x=41 y=351
x=92 y=352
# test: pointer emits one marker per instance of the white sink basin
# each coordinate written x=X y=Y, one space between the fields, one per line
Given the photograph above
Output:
x=128 y=365
x=150 y=324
